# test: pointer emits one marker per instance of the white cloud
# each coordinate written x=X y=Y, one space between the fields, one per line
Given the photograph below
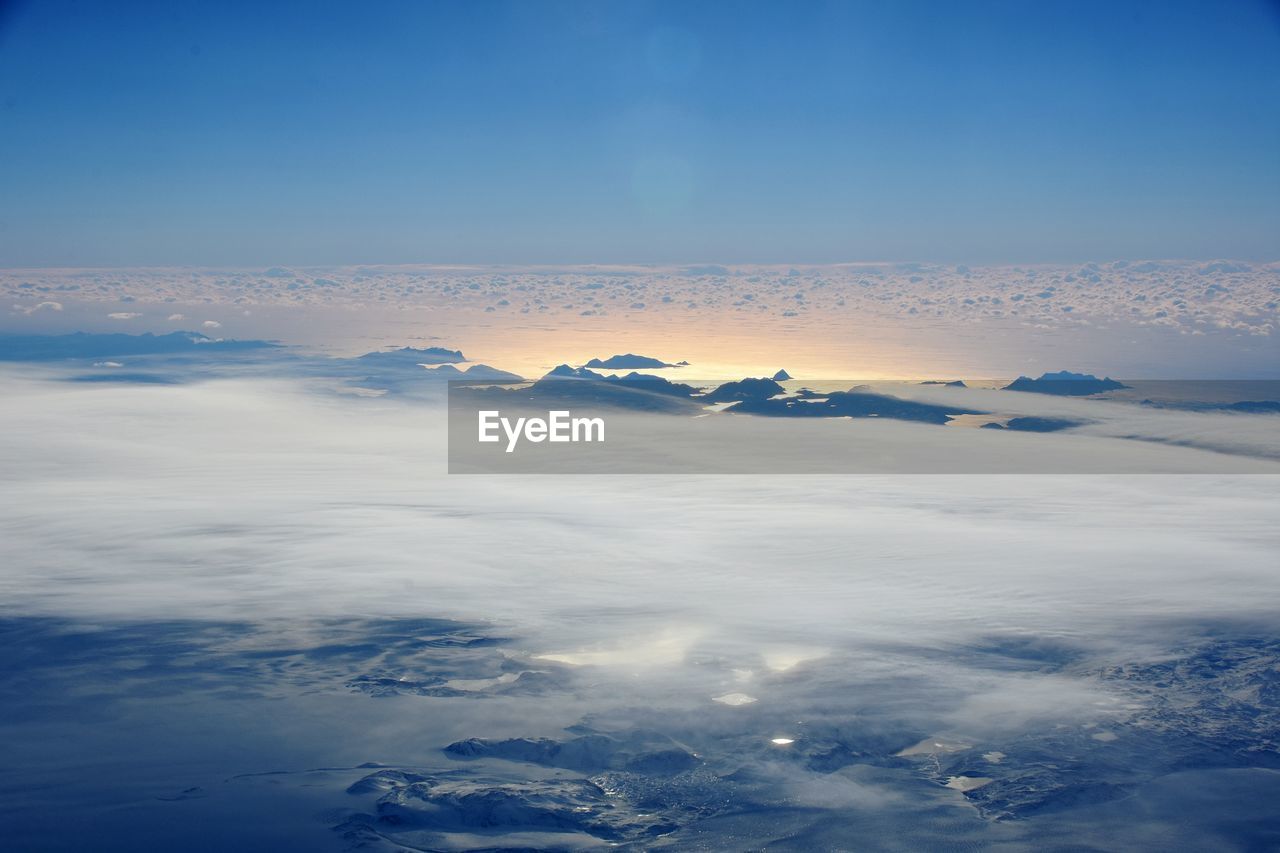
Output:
x=341 y=505
x=43 y=306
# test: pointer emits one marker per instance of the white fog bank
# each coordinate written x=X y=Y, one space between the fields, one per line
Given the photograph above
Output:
x=258 y=500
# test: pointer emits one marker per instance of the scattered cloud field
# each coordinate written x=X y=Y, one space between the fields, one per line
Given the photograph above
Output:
x=1191 y=297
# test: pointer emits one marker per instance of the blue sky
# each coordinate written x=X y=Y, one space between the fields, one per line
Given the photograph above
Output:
x=563 y=132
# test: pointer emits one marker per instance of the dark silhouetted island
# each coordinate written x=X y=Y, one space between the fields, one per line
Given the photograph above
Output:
x=1249 y=407
x=409 y=355
x=852 y=404
x=1034 y=424
x=482 y=372
x=90 y=345
x=576 y=386
x=567 y=385
x=745 y=389
x=630 y=361
x=1064 y=383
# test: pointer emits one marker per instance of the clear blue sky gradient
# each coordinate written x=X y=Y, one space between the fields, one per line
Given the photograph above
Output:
x=135 y=133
